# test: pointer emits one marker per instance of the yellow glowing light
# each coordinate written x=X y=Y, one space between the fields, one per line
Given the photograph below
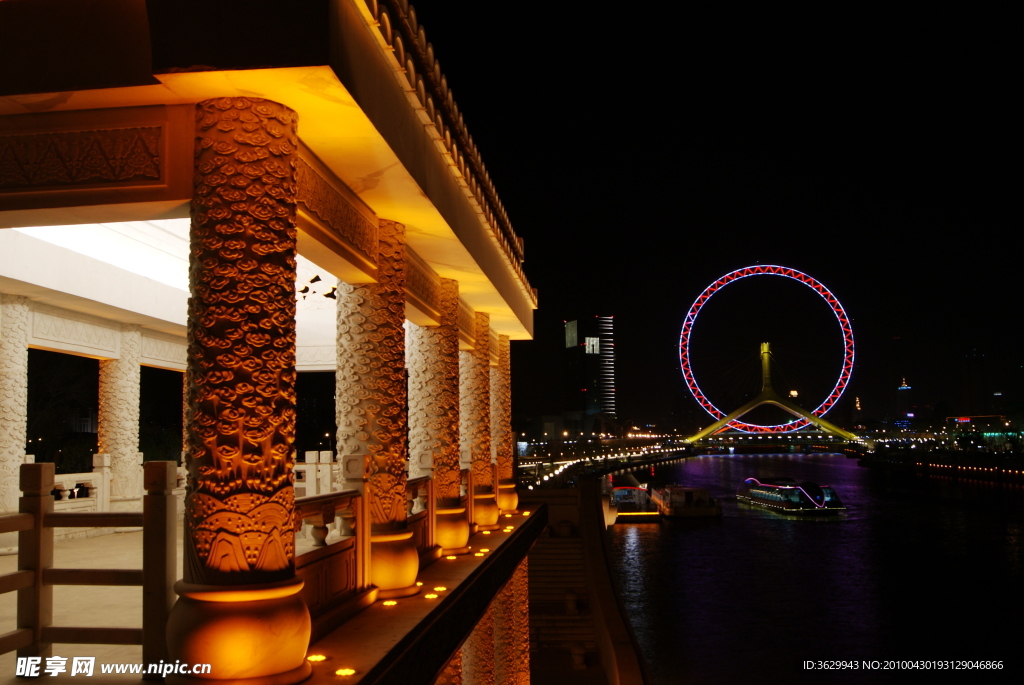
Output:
x=526 y=513
x=450 y=557
x=478 y=554
x=485 y=550
x=440 y=588
x=390 y=603
x=316 y=657
x=508 y=516
x=430 y=596
x=345 y=671
x=487 y=532
x=419 y=583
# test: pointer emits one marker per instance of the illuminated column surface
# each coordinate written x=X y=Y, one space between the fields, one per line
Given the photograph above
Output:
x=370 y=401
x=475 y=421
x=120 y=382
x=433 y=356
x=451 y=674
x=14 y=321
x=502 y=442
x=478 y=652
x=239 y=608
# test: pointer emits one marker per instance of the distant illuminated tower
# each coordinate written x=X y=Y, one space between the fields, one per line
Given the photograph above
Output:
x=590 y=368
x=904 y=405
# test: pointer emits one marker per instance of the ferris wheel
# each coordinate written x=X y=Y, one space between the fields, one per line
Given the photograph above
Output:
x=768 y=395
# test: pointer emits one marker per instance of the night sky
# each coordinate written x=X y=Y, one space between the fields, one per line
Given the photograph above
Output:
x=642 y=155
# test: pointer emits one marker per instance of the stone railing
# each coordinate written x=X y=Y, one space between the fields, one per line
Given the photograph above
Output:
x=336 y=572
x=397 y=23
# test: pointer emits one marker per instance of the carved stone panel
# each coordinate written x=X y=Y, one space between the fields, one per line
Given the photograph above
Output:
x=78 y=158
x=59 y=329
x=164 y=353
x=320 y=198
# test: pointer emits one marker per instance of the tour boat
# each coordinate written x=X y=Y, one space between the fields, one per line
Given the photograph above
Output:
x=676 y=501
x=786 y=496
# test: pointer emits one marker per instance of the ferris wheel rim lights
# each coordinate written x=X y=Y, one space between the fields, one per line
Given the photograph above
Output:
x=767 y=270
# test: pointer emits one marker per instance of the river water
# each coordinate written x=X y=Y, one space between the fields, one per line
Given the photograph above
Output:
x=915 y=570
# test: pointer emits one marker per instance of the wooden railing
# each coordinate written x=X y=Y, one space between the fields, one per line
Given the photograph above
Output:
x=35 y=577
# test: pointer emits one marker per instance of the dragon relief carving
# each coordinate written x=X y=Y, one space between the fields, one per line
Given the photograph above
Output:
x=474 y=402
x=501 y=409
x=14 y=323
x=371 y=379
x=505 y=635
x=478 y=651
x=119 y=391
x=446 y=335
x=451 y=674
x=521 y=592
x=433 y=395
x=241 y=342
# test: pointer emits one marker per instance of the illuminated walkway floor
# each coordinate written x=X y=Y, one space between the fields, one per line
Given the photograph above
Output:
x=358 y=644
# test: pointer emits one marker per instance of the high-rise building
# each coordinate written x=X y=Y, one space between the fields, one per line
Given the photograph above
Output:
x=589 y=370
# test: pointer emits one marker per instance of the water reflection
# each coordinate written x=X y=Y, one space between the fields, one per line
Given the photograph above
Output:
x=913 y=570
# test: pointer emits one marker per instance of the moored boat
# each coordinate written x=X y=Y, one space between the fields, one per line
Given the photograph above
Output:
x=786 y=496
x=677 y=501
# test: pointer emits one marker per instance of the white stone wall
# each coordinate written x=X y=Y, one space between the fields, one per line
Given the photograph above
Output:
x=14 y=326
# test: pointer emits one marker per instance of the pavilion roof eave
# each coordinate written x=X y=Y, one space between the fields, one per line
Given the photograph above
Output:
x=338 y=132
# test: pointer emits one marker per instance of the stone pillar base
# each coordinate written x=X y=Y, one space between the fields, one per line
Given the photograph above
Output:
x=451 y=530
x=508 y=498
x=485 y=511
x=394 y=564
x=251 y=634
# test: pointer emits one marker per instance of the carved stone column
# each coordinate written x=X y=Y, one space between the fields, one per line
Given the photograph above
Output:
x=372 y=410
x=14 y=322
x=505 y=652
x=421 y=360
x=451 y=674
x=502 y=440
x=120 y=383
x=475 y=421
x=521 y=596
x=478 y=652
x=433 y=356
x=239 y=607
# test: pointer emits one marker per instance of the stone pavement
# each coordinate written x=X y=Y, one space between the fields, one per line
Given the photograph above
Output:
x=78 y=605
